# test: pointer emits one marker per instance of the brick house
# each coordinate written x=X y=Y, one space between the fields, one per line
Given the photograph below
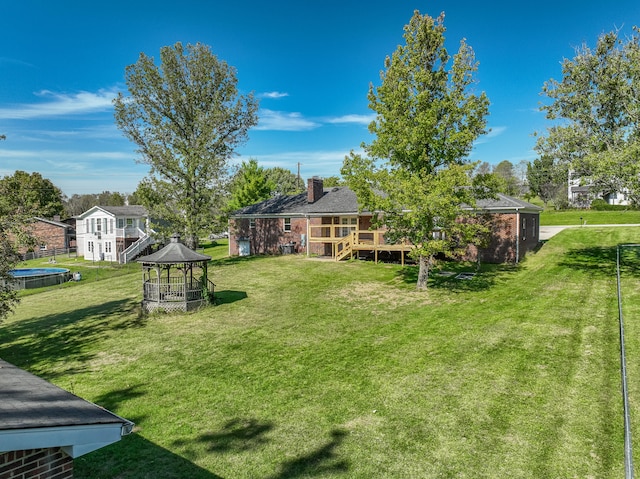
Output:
x=43 y=428
x=51 y=235
x=326 y=221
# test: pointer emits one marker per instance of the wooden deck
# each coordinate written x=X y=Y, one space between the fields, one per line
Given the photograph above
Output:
x=355 y=241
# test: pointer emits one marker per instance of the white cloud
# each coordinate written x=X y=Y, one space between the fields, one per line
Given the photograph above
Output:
x=59 y=104
x=284 y=121
x=495 y=132
x=312 y=163
x=273 y=94
x=359 y=119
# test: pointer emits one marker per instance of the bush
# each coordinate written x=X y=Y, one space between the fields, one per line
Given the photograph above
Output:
x=601 y=205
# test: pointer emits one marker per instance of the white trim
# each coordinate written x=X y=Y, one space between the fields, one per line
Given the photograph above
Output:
x=75 y=440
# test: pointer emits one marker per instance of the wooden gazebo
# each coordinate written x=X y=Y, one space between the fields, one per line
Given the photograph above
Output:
x=175 y=279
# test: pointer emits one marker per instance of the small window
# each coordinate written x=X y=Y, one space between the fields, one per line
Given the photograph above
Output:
x=524 y=229
x=43 y=247
x=120 y=222
x=252 y=223
x=533 y=228
x=99 y=226
x=129 y=222
x=287 y=224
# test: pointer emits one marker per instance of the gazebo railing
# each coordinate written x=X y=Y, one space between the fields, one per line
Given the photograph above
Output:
x=175 y=289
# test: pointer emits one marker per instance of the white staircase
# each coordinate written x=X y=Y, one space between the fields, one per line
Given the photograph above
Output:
x=136 y=248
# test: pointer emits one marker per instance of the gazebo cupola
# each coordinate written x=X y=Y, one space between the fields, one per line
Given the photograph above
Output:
x=175 y=279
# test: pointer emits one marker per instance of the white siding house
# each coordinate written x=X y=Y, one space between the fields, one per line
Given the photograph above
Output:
x=112 y=233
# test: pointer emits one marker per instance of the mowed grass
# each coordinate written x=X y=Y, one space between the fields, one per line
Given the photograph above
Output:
x=309 y=368
x=588 y=217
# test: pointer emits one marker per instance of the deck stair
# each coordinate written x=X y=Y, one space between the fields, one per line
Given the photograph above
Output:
x=344 y=247
x=135 y=249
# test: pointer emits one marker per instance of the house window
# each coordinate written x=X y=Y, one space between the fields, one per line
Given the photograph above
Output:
x=533 y=228
x=93 y=225
x=287 y=224
x=99 y=226
x=252 y=223
x=120 y=222
x=348 y=220
x=107 y=247
x=111 y=226
x=129 y=222
x=86 y=225
x=524 y=229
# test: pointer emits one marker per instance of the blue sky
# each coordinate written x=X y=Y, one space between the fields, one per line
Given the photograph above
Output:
x=310 y=63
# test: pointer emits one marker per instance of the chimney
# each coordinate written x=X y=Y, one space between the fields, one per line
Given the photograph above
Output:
x=314 y=189
x=56 y=217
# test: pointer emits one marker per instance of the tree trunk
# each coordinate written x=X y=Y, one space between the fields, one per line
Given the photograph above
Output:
x=423 y=272
x=191 y=241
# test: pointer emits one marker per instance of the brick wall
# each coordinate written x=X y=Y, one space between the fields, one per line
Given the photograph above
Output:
x=267 y=235
x=49 y=463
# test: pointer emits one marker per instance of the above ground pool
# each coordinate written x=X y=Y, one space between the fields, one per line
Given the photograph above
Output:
x=27 y=278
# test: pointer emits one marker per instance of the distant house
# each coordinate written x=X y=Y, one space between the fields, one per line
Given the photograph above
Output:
x=327 y=222
x=43 y=428
x=113 y=233
x=51 y=235
x=581 y=192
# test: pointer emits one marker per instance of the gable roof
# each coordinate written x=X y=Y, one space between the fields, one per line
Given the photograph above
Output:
x=506 y=203
x=130 y=210
x=338 y=200
x=52 y=222
x=36 y=414
x=175 y=252
x=343 y=201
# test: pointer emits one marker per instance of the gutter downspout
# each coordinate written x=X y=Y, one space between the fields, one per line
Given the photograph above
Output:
x=517 y=235
x=308 y=236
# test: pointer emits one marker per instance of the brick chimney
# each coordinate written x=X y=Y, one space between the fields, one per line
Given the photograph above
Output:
x=314 y=189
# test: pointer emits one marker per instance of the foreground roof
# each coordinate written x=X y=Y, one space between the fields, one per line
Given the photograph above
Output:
x=173 y=253
x=36 y=414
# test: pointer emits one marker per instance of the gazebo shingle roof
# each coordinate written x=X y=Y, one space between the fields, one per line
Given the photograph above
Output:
x=173 y=253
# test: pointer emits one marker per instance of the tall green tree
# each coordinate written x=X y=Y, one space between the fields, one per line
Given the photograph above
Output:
x=548 y=178
x=187 y=118
x=595 y=109
x=284 y=181
x=506 y=173
x=250 y=185
x=15 y=213
x=416 y=172
x=30 y=193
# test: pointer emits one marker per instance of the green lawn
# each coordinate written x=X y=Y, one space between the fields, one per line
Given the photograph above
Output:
x=589 y=217
x=309 y=368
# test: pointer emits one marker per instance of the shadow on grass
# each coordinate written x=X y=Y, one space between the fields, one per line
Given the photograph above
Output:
x=237 y=435
x=228 y=296
x=135 y=457
x=64 y=337
x=444 y=276
x=321 y=461
x=111 y=400
x=602 y=260
x=244 y=435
